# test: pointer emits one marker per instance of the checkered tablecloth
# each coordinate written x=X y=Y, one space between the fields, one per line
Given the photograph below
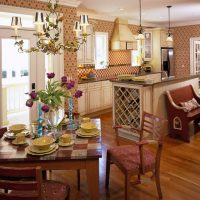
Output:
x=83 y=148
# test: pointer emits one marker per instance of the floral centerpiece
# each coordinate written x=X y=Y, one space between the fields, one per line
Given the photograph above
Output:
x=53 y=95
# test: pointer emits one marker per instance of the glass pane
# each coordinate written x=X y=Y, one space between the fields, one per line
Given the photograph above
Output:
x=15 y=83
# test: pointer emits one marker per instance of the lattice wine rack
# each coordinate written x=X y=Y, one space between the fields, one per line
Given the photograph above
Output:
x=127 y=106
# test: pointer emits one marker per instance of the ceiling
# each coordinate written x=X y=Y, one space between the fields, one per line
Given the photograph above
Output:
x=154 y=12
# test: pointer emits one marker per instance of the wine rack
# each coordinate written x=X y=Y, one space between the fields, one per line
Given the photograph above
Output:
x=127 y=106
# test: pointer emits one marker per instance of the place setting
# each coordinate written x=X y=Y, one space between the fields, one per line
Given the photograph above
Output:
x=87 y=129
x=17 y=133
x=42 y=146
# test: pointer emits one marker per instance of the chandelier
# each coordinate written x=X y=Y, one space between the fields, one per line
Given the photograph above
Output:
x=140 y=31
x=169 y=34
x=48 y=32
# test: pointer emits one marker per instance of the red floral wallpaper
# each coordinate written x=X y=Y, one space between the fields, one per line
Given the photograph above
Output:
x=182 y=37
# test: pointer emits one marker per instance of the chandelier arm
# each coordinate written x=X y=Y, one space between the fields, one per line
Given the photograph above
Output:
x=48 y=38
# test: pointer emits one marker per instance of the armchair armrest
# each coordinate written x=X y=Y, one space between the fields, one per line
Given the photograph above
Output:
x=172 y=102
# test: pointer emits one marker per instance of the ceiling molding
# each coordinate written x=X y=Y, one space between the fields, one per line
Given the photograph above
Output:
x=186 y=23
x=112 y=19
x=71 y=3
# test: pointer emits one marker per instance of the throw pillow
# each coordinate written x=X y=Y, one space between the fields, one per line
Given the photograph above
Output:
x=190 y=105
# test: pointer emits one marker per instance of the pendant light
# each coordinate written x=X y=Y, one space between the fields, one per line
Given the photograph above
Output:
x=169 y=34
x=140 y=31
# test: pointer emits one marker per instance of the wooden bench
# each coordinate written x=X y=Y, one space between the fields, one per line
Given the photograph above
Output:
x=178 y=118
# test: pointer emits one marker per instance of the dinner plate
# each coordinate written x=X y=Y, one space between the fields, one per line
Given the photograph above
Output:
x=34 y=149
x=19 y=143
x=66 y=144
x=41 y=154
x=11 y=135
x=95 y=131
x=81 y=133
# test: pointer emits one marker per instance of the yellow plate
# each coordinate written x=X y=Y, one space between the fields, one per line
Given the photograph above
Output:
x=41 y=154
x=80 y=132
x=66 y=144
x=36 y=150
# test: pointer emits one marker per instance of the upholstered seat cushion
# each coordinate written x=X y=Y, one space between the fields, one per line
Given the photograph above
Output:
x=52 y=190
x=128 y=157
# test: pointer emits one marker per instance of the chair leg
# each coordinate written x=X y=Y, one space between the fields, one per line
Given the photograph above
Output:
x=127 y=186
x=78 y=179
x=157 y=179
x=107 y=170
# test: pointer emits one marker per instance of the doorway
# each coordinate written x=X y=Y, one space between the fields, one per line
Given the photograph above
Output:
x=18 y=72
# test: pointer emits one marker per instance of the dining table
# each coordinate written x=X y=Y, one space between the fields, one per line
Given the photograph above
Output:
x=83 y=154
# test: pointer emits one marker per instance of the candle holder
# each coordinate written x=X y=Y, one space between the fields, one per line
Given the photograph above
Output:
x=39 y=120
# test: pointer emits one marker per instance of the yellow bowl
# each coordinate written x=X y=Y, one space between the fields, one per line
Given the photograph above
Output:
x=88 y=127
x=17 y=128
x=43 y=143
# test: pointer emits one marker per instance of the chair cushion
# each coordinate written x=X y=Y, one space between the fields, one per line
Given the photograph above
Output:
x=129 y=159
x=54 y=190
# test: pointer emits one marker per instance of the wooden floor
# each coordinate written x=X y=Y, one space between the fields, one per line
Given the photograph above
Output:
x=180 y=172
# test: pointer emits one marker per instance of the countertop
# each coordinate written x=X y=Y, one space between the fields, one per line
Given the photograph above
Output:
x=150 y=83
x=111 y=79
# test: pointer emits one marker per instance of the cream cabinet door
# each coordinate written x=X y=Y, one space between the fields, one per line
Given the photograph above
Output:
x=85 y=55
x=83 y=101
x=94 y=96
x=106 y=94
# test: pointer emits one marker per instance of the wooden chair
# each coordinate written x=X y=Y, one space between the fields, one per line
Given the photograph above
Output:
x=2 y=131
x=31 y=187
x=137 y=159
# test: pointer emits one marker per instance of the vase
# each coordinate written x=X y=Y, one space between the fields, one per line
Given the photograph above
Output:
x=54 y=117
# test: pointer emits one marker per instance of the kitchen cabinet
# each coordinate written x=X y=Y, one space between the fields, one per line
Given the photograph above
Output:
x=106 y=94
x=96 y=96
x=85 y=55
x=148 y=45
x=82 y=102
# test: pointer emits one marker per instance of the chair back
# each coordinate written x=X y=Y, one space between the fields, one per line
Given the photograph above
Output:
x=2 y=131
x=24 y=188
x=153 y=132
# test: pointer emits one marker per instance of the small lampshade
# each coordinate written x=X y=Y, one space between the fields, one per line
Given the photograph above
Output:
x=140 y=36
x=39 y=18
x=16 y=22
x=84 y=20
x=169 y=37
x=77 y=26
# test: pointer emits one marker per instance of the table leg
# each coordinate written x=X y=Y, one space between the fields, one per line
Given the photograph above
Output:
x=92 y=172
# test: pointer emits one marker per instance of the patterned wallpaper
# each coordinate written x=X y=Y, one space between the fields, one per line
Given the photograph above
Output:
x=69 y=13
x=121 y=58
x=182 y=37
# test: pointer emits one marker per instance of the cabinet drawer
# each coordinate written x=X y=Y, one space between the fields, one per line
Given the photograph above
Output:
x=94 y=85
x=82 y=86
x=106 y=83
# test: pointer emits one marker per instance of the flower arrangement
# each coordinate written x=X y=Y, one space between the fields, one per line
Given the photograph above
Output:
x=54 y=93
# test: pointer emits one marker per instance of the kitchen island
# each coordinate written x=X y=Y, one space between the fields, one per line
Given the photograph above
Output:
x=131 y=98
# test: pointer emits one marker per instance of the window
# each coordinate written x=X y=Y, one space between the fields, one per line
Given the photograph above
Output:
x=101 y=50
x=194 y=55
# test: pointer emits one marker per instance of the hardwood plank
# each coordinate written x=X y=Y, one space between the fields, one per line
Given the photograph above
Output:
x=180 y=169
